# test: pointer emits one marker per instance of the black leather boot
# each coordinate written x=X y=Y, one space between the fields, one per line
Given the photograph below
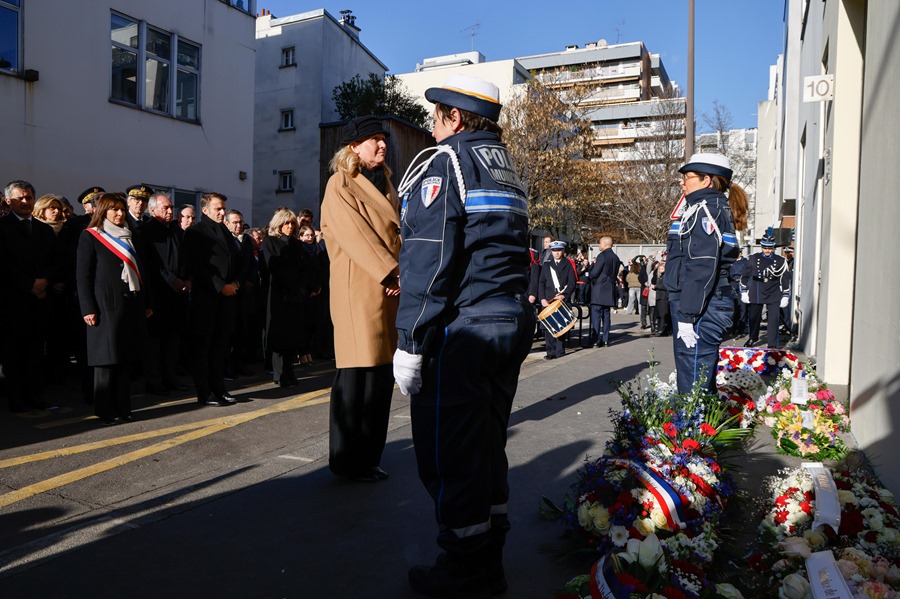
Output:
x=459 y=573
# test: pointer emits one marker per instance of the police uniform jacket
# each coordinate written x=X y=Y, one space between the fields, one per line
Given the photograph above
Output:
x=458 y=250
x=565 y=275
x=603 y=276
x=361 y=228
x=700 y=247
x=766 y=280
x=121 y=331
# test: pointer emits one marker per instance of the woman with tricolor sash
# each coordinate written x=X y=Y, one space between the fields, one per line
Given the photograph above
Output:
x=114 y=305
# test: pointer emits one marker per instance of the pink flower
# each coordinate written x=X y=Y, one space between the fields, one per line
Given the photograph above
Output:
x=783 y=395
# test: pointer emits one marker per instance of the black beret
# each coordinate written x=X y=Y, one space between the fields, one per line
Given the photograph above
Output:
x=361 y=128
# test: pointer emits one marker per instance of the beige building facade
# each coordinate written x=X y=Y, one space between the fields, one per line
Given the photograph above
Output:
x=125 y=92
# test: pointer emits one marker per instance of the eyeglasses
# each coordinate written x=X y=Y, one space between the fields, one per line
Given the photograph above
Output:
x=687 y=176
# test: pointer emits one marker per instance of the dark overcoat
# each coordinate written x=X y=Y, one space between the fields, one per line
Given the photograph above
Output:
x=121 y=331
x=289 y=288
x=603 y=278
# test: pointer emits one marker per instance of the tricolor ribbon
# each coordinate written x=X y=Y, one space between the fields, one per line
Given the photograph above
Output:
x=120 y=250
x=667 y=498
x=603 y=581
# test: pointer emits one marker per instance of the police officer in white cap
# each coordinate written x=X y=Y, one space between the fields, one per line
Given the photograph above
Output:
x=701 y=246
x=766 y=282
x=465 y=327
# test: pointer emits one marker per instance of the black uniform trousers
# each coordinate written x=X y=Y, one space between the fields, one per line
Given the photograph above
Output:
x=212 y=321
x=112 y=392
x=772 y=312
x=360 y=410
x=460 y=416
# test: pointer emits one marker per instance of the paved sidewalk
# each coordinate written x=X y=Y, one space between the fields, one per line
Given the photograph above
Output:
x=310 y=535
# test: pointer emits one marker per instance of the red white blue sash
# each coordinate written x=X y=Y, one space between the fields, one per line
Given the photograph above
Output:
x=120 y=250
x=667 y=498
x=603 y=582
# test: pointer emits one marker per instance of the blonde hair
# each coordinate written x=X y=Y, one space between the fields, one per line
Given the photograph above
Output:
x=47 y=201
x=347 y=161
x=281 y=217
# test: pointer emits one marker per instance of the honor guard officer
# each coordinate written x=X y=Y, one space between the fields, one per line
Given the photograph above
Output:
x=138 y=198
x=557 y=282
x=465 y=326
x=766 y=282
x=700 y=248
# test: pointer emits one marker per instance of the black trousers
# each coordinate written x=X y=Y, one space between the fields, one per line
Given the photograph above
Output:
x=112 y=393
x=772 y=312
x=556 y=346
x=212 y=321
x=360 y=410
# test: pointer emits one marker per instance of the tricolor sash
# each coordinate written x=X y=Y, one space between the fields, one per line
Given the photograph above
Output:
x=603 y=581
x=668 y=499
x=120 y=250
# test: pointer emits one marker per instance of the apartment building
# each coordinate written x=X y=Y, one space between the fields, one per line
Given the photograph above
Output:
x=626 y=94
x=300 y=59
x=124 y=92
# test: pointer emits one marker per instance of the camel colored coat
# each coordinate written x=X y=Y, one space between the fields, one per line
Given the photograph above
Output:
x=362 y=235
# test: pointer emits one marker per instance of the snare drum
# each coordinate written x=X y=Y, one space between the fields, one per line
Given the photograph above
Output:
x=557 y=318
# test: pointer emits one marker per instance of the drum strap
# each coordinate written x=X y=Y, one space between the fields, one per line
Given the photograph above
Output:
x=556 y=279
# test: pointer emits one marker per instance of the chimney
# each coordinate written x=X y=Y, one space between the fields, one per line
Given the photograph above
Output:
x=348 y=22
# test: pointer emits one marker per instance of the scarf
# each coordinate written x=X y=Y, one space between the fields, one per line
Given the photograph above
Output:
x=376 y=177
x=118 y=240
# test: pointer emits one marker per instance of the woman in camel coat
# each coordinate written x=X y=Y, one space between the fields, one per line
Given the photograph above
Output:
x=361 y=224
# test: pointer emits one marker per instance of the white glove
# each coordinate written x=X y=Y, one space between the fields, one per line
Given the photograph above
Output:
x=745 y=297
x=408 y=372
x=784 y=303
x=686 y=334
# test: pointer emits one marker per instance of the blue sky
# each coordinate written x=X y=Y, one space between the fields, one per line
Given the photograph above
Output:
x=735 y=40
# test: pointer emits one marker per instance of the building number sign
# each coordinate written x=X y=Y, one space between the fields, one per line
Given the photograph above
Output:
x=818 y=87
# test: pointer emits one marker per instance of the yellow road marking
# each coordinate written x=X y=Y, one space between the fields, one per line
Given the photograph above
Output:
x=206 y=428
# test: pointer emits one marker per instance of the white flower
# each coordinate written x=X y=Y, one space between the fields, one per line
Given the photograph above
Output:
x=795 y=547
x=645 y=526
x=794 y=586
x=728 y=591
x=847 y=497
x=619 y=535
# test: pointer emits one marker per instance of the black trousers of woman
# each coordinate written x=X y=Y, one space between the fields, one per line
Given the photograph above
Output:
x=360 y=409
x=112 y=393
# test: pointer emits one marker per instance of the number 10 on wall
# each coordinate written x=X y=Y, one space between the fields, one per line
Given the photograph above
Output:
x=818 y=87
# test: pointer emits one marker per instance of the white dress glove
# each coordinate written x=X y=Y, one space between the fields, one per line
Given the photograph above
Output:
x=784 y=303
x=745 y=297
x=687 y=334
x=408 y=372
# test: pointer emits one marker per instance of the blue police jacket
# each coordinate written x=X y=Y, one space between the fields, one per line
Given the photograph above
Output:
x=458 y=250
x=700 y=249
x=766 y=280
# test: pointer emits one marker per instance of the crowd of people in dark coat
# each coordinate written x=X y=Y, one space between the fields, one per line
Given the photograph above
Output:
x=137 y=288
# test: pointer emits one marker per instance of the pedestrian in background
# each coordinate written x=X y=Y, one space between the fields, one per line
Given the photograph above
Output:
x=604 y=276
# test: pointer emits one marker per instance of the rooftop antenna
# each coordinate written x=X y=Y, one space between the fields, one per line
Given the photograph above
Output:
x=473 y=31
x=619 y=30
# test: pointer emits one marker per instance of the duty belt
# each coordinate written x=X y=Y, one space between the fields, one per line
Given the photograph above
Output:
x=763 y=279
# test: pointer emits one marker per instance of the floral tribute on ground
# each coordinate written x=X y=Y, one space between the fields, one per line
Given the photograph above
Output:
x=759 y=360
x=865 y=545
x=805 y=420
x=648 y=511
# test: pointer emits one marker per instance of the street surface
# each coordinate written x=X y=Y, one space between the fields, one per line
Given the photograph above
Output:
x=238 y=501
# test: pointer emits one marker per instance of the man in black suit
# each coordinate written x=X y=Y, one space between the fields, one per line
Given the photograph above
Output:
x=27 y=269
x=211 y=259
x=603 y=275
x=246 y=335
x=170 y=299
x=138 y=198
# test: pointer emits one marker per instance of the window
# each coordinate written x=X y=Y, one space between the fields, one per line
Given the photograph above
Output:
x=287 y=57
x=287 y=120
x=168 y=66
x=247 y=6
x=10 y=48
x=285 y=181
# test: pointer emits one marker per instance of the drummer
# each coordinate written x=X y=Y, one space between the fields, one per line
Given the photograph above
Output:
x=557 y=282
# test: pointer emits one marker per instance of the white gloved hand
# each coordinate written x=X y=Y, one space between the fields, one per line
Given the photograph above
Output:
x=784 y=303
x=408 y=372
x=745 y=297
x=687 y=334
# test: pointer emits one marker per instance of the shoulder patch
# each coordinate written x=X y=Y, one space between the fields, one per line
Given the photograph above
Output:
x=431 y=187
x=708 y=226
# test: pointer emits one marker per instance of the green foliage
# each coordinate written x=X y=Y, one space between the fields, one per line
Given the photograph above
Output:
x=378 y=96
